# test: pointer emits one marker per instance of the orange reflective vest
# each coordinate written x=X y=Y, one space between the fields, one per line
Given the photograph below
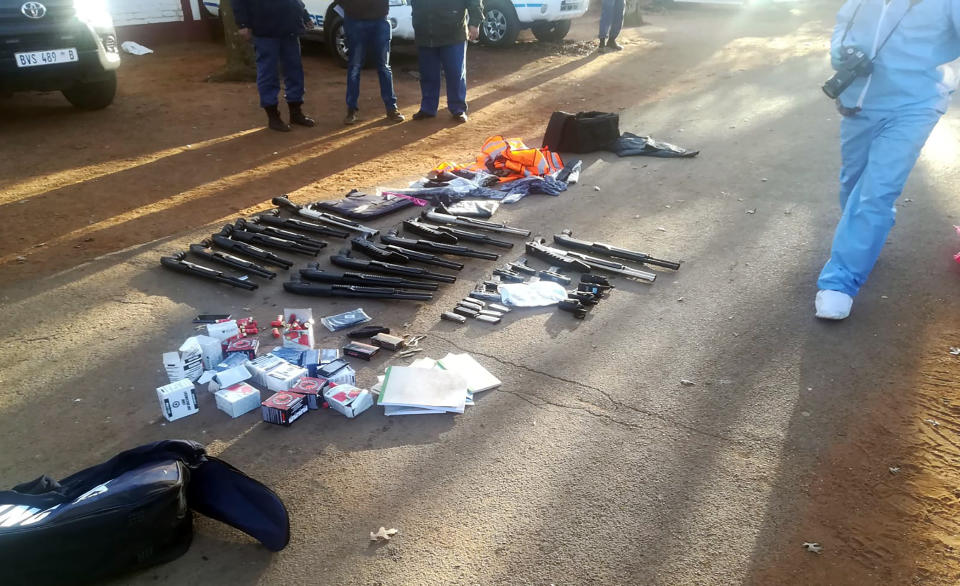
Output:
x=511 y=159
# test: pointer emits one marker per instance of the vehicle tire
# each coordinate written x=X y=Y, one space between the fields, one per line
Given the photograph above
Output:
x=551 y=32
x=93 y=95
x=500 y=26
x=336 y=39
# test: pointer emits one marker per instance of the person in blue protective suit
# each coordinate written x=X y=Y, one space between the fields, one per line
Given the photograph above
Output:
x=275 y=27
x=888 y=115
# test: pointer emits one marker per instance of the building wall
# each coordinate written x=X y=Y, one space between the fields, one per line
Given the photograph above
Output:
x=134 y=12
x=161 y=21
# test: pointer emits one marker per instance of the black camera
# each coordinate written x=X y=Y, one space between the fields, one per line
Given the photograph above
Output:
x=854 y=63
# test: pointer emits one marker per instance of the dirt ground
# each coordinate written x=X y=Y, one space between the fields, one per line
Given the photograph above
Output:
x=592 y=464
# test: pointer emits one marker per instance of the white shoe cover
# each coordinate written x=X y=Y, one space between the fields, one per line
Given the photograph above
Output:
x=833 y=304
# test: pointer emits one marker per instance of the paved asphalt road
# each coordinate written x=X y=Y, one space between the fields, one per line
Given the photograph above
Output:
x=593 y=463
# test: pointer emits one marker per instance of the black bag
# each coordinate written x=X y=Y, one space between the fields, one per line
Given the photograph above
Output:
x=583 y=132
x=357 y=205
x=131 y=512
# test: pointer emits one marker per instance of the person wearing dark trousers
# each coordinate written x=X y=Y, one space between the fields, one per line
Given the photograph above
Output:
x=275 y=27
x=611 y=22
x=368 y=31
x=441 y=30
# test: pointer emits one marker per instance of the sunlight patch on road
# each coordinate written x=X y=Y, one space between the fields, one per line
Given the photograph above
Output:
x=60 y=179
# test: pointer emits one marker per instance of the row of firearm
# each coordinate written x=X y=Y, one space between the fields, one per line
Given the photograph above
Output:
x=390 y=259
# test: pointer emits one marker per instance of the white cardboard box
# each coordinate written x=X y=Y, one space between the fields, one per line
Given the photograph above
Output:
x=348 y=399
x=283 y=377
x=178 y=399
x=238 y=399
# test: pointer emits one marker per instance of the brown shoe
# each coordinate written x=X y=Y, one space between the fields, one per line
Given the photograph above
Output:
x=352 y=117
x=395 y=116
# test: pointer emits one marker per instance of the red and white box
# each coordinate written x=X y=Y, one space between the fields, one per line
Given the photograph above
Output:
x=239 y=399
x=348 y=399
x=283 y=408
x=312 y=389
x=248 y=346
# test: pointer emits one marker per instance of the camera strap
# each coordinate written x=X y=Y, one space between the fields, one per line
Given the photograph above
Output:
x=889 y=35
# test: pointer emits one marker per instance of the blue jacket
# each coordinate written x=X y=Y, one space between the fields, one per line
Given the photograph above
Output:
x=271 y=18
x=910 y=70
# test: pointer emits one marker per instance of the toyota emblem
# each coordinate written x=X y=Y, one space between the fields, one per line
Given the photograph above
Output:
x=33 y=10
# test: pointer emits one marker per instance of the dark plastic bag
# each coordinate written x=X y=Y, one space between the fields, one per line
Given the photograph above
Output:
x=632 y=145
x=357 y=205
x=131 y=512
x=583 y=132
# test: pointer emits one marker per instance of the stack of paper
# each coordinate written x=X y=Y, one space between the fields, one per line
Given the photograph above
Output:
x=407 y=390
x=477 y=377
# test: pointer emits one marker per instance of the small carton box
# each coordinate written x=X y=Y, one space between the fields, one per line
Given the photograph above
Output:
x=238 y=399
x=311 y=388
x=178 y=399
x=283 y=408
x=261 y=365
x=283 y=377
x=246 y=346
x=348 y=399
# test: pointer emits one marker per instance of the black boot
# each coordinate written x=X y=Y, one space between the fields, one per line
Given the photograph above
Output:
x=298 y=117
x=603 y=45
x=274 y=122
x=613 y=45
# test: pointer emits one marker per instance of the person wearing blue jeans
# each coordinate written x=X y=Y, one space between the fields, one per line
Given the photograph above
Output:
x=611 y=23
x=441 y=30
x=275 y=26
x=368 y=32
x=887 y=117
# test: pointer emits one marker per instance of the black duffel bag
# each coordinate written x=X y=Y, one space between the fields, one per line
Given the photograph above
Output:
x=583 y=132
x=131 y=512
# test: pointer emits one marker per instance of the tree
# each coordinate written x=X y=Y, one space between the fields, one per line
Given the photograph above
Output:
x=240 y=65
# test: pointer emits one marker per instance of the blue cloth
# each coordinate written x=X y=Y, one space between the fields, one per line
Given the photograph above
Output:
x=452 y=60
x=611 y=18
x=274 y=54
x=371 y=36
x=879 y=150
x=909 y=70
x=271 y=18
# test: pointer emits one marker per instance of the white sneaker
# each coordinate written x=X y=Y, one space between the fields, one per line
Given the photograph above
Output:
x=833 y=304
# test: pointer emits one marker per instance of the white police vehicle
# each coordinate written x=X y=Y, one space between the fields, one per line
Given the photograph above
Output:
x=548 y=20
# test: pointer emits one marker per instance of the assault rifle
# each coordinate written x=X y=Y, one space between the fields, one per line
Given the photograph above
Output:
x=249 y=226
x=273 y=218
x=249 y=250
x=608 y=250
x=375 y=252
x=330 y=219
x=438 y=218
x=457 y=234
x=376 y=266
x=591 y=262
x=178 y=264
x=313 y=273
x=231 y=261
x=316 y=290
x=264 y=240
x=426 y=245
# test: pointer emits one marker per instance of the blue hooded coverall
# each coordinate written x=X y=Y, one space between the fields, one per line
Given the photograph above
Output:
x=901 y=102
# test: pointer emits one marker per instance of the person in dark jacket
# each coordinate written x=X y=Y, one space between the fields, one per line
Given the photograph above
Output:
x=441 y=30
x=275 y=26
x=368 y=31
